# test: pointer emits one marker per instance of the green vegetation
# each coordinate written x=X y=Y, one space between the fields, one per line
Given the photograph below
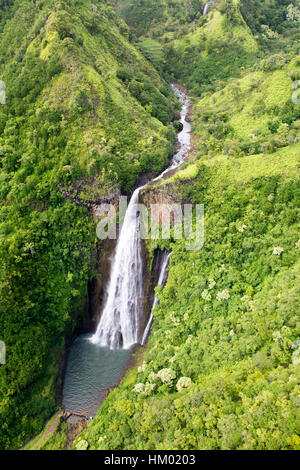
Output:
x=70 y=125
x=6 y=7
x=273 y=13
x=254 y=114
x=159 y=17
x=221 y=370
x=54 y=436
x=213 y=51
x=204 y=52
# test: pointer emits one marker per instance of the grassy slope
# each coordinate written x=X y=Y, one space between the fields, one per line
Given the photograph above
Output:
x=53 y=427
x=69 y=123
x=239 y=352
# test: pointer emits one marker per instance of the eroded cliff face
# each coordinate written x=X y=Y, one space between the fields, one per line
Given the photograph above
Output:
x=160 y=194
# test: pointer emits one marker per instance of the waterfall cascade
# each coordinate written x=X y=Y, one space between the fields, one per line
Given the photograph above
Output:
x=207 y=7
x=119 y=324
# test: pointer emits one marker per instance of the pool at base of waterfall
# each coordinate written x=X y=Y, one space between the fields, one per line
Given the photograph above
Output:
x=91 y=370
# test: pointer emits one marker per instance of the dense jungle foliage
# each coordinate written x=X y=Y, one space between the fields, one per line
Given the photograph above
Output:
x=85 y=114
x=88 y=110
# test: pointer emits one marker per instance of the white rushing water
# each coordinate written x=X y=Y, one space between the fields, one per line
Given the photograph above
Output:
x=161 y=281
x=119 y=325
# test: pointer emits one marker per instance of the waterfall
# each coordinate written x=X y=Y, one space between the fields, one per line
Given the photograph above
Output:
x=120 y=320
x=118 y=326
x=161 y=282
x=207 y=7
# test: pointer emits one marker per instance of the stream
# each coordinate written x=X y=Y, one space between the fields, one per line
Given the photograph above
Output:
x=96 y=362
